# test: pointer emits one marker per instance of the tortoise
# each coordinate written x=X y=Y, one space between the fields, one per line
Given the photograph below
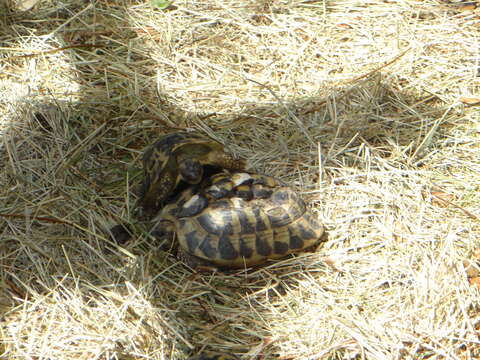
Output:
x=236 y=219
x=181 y=157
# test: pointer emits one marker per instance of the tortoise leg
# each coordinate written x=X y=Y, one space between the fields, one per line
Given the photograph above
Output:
x=163 y=232
x=196 y=263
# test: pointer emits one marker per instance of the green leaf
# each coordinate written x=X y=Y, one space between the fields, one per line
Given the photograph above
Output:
x=161 y=4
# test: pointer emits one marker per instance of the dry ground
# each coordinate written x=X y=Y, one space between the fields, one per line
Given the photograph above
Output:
x=360 y=105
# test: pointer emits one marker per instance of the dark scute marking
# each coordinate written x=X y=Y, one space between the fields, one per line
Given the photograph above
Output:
x=306 y=234
x=246 y=182
x=209 y=224
x=191 y=170
x=192 y=240
x=279 y=217
x=227 y=222
x=280 y=247
x=220 y=180
x=245 y=194
x=295 y=241
x=245 y=223
x=259 y=223
x=245 y=250
x=207 y=248
x=167 y=142
x=226 y=248
x=193 y=208
x=262 y=246
x=260 y=192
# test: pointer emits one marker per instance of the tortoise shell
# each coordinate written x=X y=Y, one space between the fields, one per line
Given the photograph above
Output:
x=237 y=219
x=177 y=157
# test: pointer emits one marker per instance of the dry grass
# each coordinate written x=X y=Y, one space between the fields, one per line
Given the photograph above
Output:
x=312 y=92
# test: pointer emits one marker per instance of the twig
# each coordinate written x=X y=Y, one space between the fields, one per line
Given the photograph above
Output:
x=468 y=213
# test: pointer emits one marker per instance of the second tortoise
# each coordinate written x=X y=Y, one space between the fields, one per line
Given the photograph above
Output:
x=180 y=157
x=237 y=219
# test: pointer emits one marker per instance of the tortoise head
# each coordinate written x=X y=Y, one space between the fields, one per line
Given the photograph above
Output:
x=192 y=159
x=190 y=170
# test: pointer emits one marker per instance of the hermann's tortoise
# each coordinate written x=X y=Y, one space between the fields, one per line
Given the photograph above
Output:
x=237 y=219
x=177 y=157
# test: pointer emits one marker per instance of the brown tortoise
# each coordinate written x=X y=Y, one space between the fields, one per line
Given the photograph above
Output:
x=181 y=156
x=236 y=219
